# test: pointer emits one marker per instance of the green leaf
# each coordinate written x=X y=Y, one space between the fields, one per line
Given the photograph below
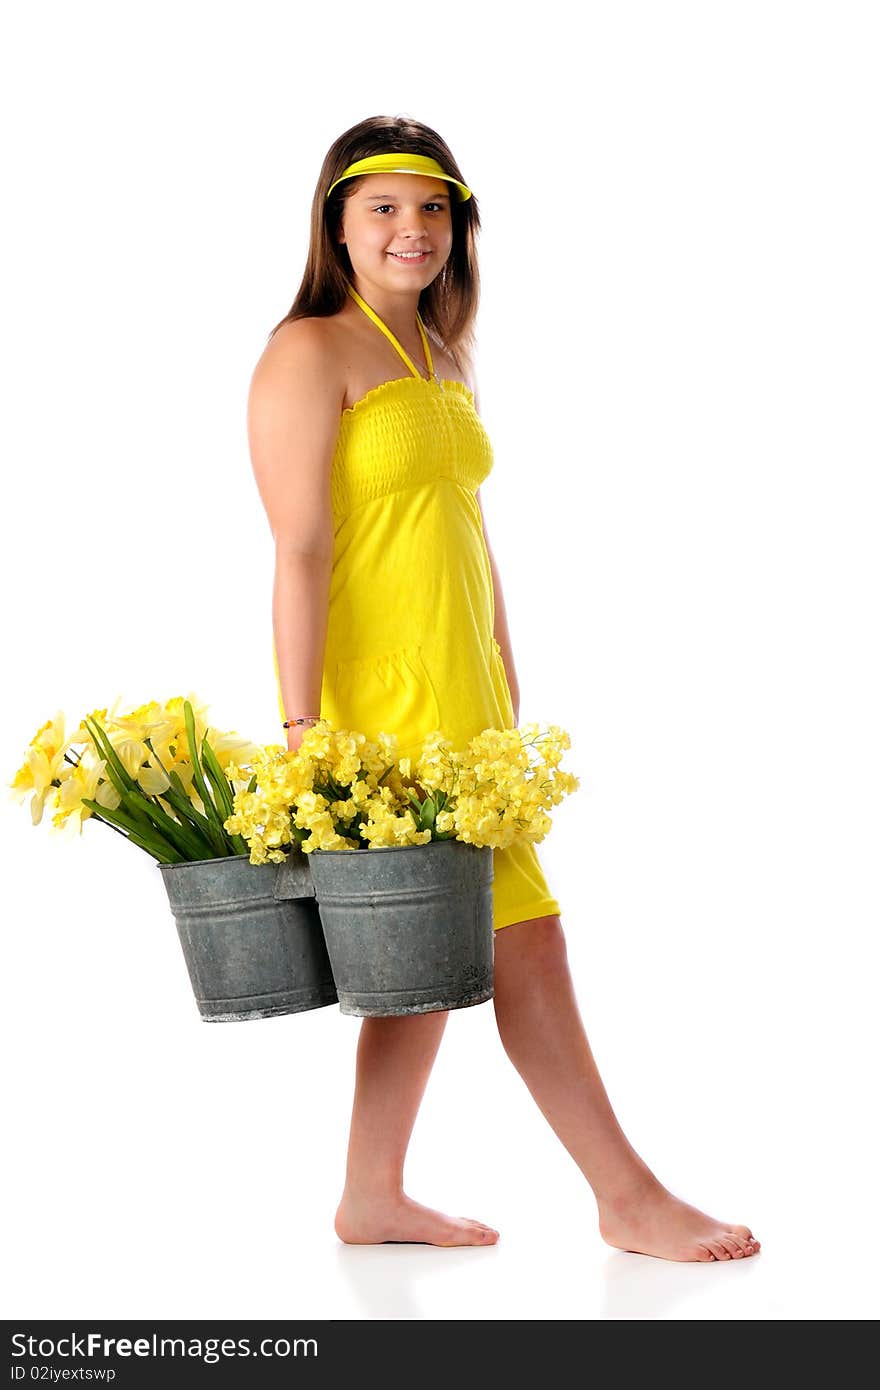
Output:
x=115 y=769
x=211 y=811
x=184 y=840
x=222 y=800
x=178 y=797
x=179 y=800
x=155 y=845
x=192 y=822
x=217 y=777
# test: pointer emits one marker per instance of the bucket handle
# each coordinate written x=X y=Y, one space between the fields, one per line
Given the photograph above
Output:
x=293 y=877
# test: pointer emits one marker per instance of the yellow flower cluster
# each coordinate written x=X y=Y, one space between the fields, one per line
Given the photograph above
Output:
x=499 y=789
x=149 y=748
x=340 y=790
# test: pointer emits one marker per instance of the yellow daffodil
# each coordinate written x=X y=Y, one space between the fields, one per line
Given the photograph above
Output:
x=44 y=760
x=88 y=779
x=146 y=751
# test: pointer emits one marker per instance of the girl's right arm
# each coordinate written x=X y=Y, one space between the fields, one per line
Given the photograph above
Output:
x=294 y=407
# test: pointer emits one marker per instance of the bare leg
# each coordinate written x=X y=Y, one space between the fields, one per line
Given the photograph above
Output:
x=543 y=1035
x=394 y=1061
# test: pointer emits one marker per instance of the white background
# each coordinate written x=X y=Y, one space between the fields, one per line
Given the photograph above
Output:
x=678 y=368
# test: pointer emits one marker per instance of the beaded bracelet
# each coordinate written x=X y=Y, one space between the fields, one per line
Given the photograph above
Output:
x=306 y=719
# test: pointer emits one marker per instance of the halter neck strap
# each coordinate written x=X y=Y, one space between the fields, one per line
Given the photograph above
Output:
x=371 y=313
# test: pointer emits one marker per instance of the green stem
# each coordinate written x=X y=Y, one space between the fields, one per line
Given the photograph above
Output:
x=218 y=833
x=178 y=797
x=116 y=771
x=153 y=844
x=184 y=840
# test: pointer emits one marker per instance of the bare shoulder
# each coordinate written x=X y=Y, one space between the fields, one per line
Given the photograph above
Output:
x=303 y=348
x=295 y=394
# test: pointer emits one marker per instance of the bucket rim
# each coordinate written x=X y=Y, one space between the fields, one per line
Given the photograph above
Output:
x=218 y=859
x=394 y=849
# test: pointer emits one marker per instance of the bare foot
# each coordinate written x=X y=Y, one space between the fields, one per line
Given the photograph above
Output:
x=652 y=1221
x=398 y=1219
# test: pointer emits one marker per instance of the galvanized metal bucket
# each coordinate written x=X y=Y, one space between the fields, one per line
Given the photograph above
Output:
x=408 y=928
x=250 y=953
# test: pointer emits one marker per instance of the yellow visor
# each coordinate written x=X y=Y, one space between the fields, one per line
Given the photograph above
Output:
x=398 y=162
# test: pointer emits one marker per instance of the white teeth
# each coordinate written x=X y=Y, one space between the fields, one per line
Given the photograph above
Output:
x=407 y=255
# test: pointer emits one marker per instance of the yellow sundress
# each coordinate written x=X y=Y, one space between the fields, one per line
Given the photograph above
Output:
x=410 y=639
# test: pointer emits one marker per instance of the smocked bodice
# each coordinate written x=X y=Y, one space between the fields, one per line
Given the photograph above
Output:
x=407 y=433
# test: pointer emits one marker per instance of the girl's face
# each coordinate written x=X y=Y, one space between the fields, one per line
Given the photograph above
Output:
x=389 y=213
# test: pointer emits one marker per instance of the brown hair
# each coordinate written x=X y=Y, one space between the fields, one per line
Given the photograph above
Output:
x=448 y=305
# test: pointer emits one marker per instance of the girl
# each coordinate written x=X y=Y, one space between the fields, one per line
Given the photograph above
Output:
x=388 y=614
